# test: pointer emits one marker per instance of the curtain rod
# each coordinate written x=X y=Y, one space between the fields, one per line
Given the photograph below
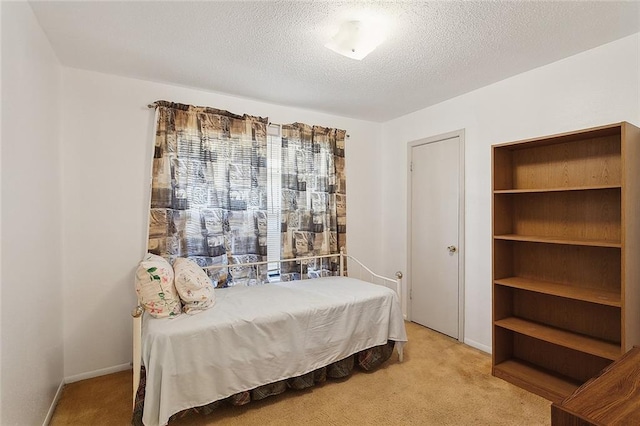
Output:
x=153 y=105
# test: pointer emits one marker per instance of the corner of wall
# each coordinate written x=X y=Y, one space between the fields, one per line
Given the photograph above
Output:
x=32 y=348
x=54 y=403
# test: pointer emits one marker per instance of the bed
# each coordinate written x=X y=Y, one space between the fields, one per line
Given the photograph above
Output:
x=263 y=339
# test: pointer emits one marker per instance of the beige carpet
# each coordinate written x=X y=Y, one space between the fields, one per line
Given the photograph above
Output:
x=440 y=382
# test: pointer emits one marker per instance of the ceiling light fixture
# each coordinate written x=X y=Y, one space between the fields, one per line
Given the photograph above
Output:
x=356 y=39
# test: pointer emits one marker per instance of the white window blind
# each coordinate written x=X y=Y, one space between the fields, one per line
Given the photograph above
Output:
x=274 y=198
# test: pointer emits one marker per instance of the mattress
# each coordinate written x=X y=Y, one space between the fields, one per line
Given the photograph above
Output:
x=259 y=335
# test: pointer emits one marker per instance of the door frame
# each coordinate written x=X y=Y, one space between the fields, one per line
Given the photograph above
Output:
x=461 y=246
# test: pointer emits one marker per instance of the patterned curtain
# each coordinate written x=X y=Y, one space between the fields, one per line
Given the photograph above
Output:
x=209 y=190
x=313 y=198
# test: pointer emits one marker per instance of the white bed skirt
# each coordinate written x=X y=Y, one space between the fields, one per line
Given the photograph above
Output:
x=259 y=335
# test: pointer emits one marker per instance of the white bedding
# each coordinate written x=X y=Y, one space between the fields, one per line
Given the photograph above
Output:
x=261 y=334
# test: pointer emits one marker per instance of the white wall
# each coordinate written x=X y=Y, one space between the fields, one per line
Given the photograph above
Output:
x=596 y=87
x=106 y=156
x=32 y=367
x=106 y=135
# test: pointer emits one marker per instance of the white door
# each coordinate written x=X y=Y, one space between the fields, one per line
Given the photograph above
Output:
x=435 y=221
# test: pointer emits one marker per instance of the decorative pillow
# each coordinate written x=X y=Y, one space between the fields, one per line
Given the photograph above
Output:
x=155 y=288
x=193 y=285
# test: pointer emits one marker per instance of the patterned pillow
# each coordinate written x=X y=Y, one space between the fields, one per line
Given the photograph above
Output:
x=155 y=288
x=193 y=285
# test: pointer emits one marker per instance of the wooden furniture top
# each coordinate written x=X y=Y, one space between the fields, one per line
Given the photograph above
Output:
x=612 y=397
x=593 y=132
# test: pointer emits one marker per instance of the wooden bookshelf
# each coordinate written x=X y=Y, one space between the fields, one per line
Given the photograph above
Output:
x=577 y=188
x=566 y=227
x=605 y=297
x=565 y=241
x=558 y=336
x=536 y=380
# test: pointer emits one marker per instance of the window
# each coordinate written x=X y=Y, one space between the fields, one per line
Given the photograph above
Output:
x=274 y=198
x=232 y=189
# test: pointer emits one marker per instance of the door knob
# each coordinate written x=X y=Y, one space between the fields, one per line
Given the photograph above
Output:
x=452 y=249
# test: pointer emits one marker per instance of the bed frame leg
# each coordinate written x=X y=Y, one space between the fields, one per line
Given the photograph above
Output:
x=137 y=349
x=399 y=285
x=399 y=346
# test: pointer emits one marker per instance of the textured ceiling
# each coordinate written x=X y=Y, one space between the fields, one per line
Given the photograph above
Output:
x=274 y=50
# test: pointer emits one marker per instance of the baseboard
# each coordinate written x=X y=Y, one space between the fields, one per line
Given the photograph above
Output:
x=97 y=373
x=473 y=344
x=47 y=419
